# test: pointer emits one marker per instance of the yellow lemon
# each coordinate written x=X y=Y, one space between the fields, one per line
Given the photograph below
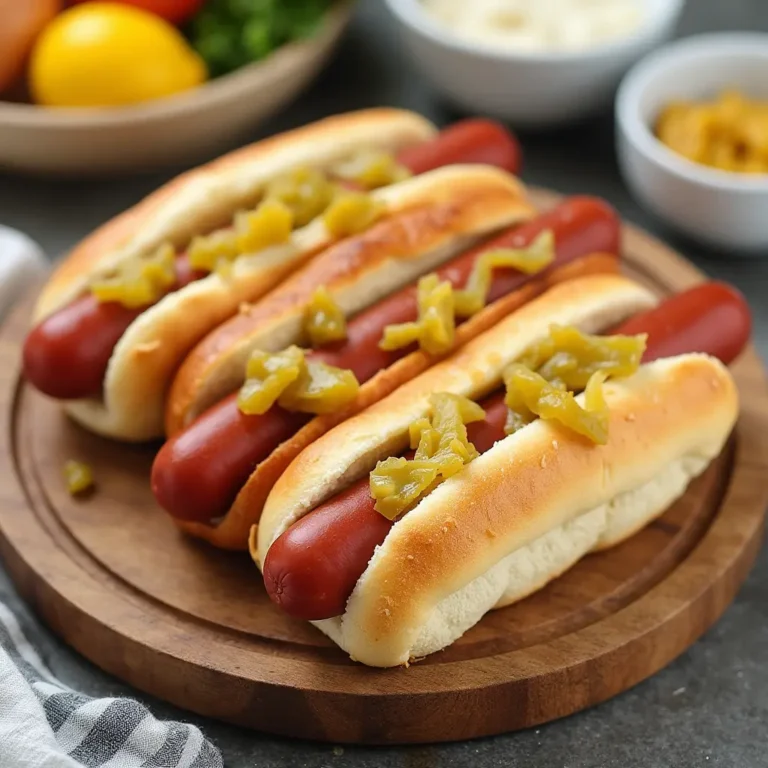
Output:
x=106 y=55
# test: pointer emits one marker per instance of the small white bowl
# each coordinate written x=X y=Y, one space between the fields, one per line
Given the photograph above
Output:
x=179 y=129
x=528 y=88
x=722 y=209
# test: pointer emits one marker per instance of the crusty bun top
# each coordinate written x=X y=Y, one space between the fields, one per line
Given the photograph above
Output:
x=207 y=197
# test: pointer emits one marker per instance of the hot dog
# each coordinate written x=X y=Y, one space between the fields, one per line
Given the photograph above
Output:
x=195 y=488
x=79 y=345
x=312 y=568
x=67 y=354
x=530 y=505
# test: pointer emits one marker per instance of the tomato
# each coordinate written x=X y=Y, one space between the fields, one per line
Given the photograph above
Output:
x=20 y=24
x=175 y=11
x=107 y=54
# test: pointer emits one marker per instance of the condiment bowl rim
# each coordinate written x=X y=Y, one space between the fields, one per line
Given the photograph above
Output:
x=413 y=14
x=655 y=66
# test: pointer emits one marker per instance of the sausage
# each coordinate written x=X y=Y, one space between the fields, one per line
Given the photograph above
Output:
x=713 y=318
x=181 y=475
x=66 y=356
x=312 y=568
x=581 y=225
x=475 y=140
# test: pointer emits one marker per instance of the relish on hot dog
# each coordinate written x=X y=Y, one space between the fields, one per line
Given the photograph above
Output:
x=118 y=316
x=214 y=475
x=570 y=476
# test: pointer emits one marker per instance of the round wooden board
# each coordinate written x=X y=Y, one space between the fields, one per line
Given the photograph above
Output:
x=193 y=626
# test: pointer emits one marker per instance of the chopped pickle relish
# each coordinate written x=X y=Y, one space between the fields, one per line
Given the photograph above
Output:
x=306 y=192
x=442 y=449
x=371 y=170
x=294 y=199
x=436 y=326
x=439 y=304
x=270 y=223
x=139 y=282
x=78 y=476
x=351 y=213
x=294 y=383
x=530 y=395
x=568 y=358
x=543 y=382
x=324 y=321
x=567 y=361
x=536 y=257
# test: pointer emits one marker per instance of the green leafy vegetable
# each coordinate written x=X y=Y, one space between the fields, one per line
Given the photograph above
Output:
x=231 y=33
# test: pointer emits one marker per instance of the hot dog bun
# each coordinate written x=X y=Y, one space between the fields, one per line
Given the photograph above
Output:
x=529 y=508
x=526 y=510
x=207 y=197
x=145 y=358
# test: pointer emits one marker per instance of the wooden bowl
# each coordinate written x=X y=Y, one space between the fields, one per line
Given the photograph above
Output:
x=175 y=130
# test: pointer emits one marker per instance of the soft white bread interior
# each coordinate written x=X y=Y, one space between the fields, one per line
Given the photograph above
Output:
x=352 y=449
x=457 y=206
x=480 y=199
x=528 y=509
x=207 y=197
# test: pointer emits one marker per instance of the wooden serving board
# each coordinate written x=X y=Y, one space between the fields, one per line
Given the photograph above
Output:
x=113 y=577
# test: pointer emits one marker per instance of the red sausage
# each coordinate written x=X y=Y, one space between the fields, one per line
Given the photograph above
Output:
x=312 y=568
x=581 y=225
x=244 y=442
x=66 y=355
x=180 y=474
x=470 y=141
x=713 y=318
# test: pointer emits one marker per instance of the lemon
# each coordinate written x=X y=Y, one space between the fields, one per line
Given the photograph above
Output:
x=107 y=55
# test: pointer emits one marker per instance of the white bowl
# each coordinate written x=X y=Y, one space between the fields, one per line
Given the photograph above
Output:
x=528 y=88
x=179 y=129
x=726 y=210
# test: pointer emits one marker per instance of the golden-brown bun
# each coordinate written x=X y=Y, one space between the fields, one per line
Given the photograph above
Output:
x=144 y=360
x=233 y=531
x=528 y=509
x=451 y=209
x=207 y=197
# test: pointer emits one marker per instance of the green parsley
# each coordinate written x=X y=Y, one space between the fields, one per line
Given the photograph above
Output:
x=231 y=33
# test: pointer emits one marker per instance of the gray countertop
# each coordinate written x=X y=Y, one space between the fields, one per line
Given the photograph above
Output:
x=708 y=708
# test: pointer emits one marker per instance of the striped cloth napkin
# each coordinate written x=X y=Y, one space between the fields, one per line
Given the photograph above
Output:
x=44 y=723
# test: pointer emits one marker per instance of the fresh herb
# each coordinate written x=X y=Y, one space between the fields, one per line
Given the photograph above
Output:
x=231 y=33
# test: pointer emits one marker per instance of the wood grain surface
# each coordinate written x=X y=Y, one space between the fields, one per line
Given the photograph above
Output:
x=175 y=618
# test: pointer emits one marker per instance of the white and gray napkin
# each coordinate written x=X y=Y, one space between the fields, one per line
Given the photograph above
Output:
x=44 y=723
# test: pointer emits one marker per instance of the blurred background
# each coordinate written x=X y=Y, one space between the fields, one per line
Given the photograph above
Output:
x=65 y=168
